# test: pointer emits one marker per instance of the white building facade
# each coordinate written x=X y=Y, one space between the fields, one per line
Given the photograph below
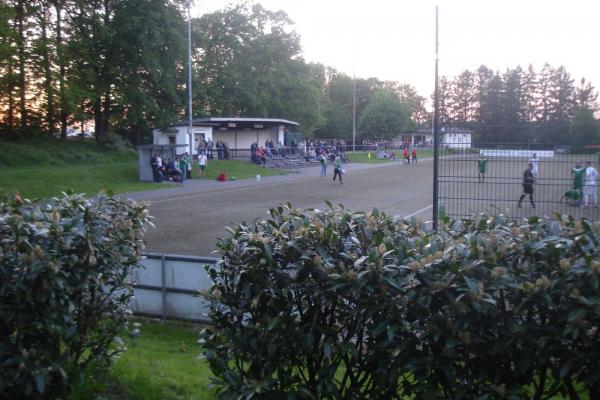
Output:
x=236 y=133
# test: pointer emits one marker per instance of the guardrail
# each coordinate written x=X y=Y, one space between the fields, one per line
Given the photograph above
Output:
x=167 y=287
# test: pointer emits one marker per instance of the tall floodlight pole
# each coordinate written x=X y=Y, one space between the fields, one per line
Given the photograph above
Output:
x=354 y=112
x=189 y=85
x=436 y=123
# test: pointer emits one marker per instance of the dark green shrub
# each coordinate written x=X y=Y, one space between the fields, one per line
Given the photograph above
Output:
x=63 y=288
x=343 y=305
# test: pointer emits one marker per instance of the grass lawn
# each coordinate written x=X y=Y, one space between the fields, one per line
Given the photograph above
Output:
x=362 y=157
x=44 y=167
x=49 y=181
x=160 y=364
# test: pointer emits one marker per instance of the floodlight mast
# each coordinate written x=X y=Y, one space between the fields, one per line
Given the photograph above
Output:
x=189 y=85
x=354 y=112
x=436 y=128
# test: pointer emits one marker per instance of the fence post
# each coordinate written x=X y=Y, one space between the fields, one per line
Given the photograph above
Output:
x=163 y=270
x=436 y=138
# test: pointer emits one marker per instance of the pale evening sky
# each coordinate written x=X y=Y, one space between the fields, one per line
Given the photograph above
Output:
x=394 y=39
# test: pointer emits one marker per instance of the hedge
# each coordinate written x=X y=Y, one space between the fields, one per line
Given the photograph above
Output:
x=335 y=304
x=64 y=265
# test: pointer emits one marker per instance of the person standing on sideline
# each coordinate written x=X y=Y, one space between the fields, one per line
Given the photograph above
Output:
x=183 y=168
x=534 y=161
x=578 y=173
x=528 y=181
x=589 y=192
x=414 y=155
x=202 y=161
x=337 y=168
x=323 y=161
x=481 y=168
x=188 y=165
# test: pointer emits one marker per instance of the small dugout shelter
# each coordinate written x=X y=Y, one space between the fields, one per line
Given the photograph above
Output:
x=236 y=133
x=145 y=153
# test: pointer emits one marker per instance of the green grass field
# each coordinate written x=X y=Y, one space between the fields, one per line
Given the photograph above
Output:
x=41 y=168
x=160 y=364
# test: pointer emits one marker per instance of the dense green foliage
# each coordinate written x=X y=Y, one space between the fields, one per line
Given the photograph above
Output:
x=64 y=290
x=584 y=128
x=333 y=304
x=384 y=117
x=121 y=67
x=74 y=63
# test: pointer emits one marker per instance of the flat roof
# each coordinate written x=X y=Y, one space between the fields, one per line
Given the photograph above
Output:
x=218 y=120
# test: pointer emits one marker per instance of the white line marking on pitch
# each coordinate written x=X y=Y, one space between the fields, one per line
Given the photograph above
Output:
x=225 y=190
x=418 y=212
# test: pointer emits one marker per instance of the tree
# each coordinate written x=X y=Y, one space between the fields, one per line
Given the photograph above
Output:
x=584 y=128
x=248 y=63
x=586 y=95
x=385 y=117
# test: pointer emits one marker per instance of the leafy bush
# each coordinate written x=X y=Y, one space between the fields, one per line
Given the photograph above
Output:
x=333 y=304
x=63 y=288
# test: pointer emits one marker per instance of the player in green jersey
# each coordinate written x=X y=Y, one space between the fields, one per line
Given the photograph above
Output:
x=481 y=166
x=578 y=173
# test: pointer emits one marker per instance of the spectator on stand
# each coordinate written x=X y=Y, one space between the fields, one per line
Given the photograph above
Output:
x=253 y=148
x=260 y=156
x=225 y=151
x=219 y=149
x=209 y=148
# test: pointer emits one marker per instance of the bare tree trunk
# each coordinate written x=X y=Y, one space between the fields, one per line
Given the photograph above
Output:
x=11 y=99
x=64 y=112
x=98 y=119
x=21 y=51
x=47 y=71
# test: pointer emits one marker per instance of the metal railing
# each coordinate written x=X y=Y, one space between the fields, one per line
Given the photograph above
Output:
x=168 y=287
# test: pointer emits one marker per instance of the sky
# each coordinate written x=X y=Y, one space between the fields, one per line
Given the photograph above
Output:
x=395 y=39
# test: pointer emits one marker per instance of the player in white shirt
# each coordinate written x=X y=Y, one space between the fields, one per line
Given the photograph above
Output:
x=534 y=161
x=589 y=190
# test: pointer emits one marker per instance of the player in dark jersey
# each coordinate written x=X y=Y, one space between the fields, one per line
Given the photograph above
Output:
x=528 y=181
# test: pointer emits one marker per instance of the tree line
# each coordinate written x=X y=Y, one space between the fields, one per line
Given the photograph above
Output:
x=119 y=67
x=540 y=106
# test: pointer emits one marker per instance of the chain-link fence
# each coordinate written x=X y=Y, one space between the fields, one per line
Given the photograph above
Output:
x=518 y=179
